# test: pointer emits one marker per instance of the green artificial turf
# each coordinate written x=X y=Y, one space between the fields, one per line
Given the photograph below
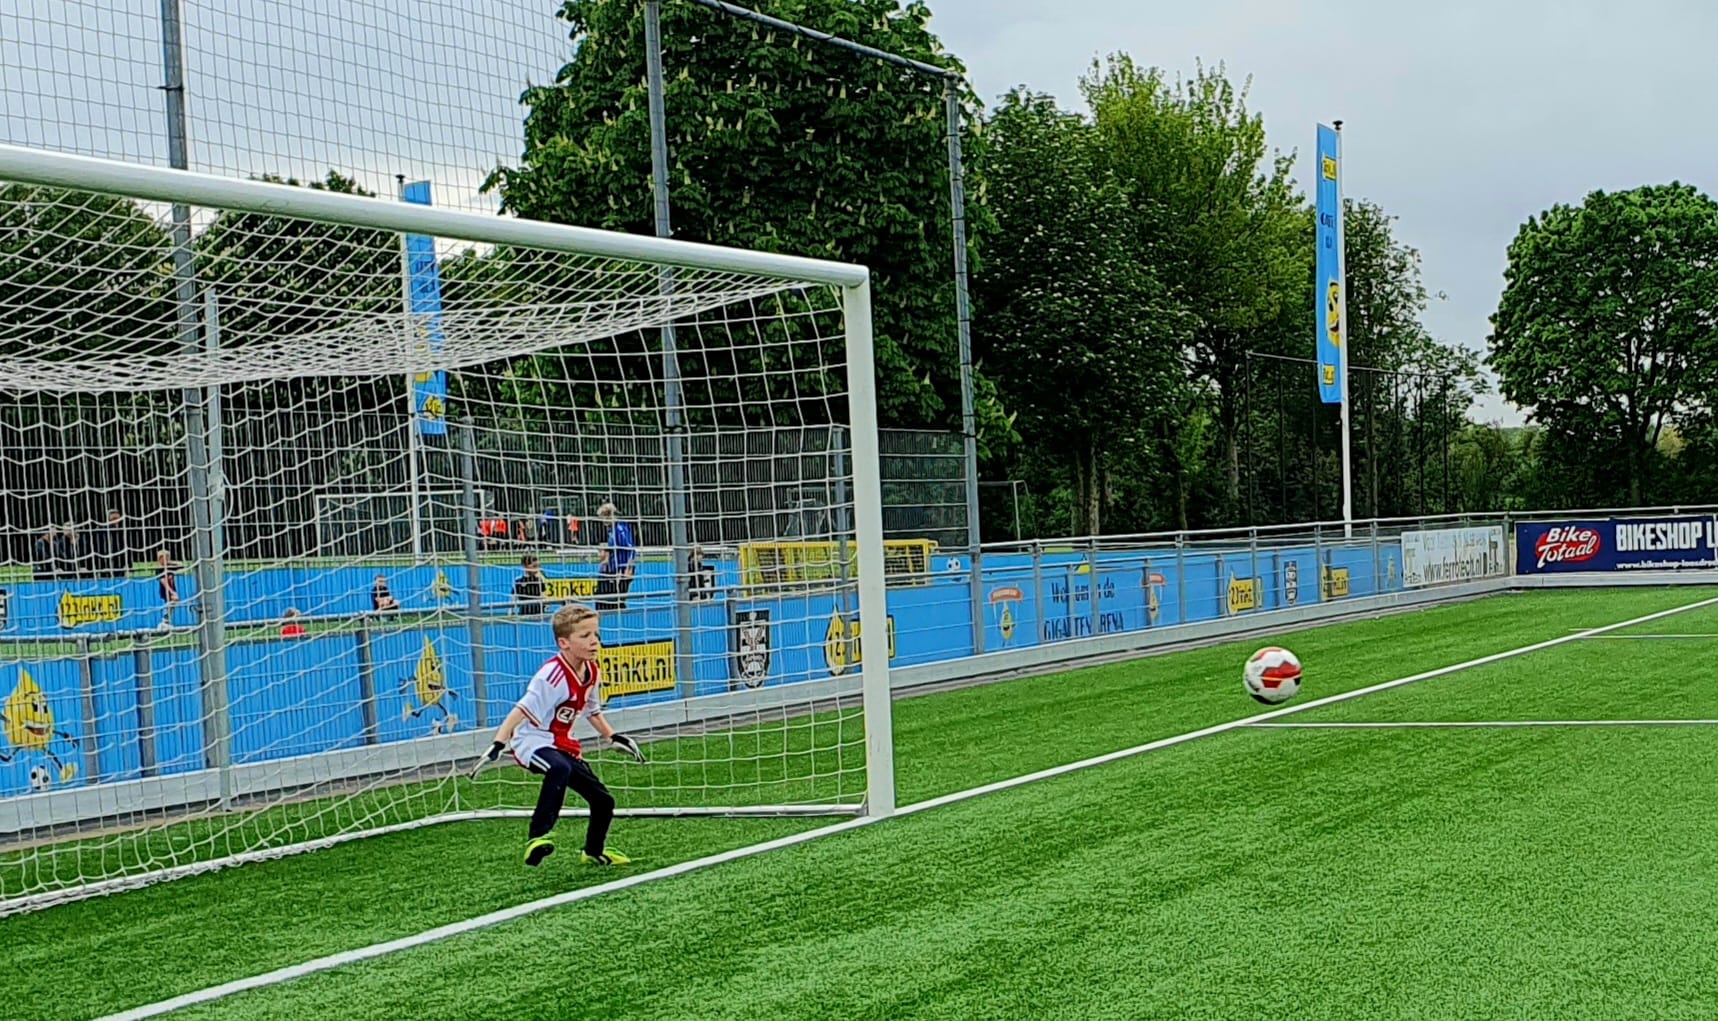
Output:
x=1262 y=873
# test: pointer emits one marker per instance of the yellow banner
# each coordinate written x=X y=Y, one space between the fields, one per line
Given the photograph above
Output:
x=769 y=565
x=637 y=668
x=1243 y=594
x=76 y=610
x=559 y=590
x=841 y=645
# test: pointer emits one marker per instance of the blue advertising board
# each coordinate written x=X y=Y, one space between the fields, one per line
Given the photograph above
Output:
x=91 y=692
x=1616 y=544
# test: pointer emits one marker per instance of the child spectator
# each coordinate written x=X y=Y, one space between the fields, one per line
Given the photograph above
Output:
x=168 y=582
x=528 y=587
x=381 y=600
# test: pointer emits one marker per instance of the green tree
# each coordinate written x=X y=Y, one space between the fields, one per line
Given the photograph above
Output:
x=1385 y=295
x=282 y=276
x=1408 y=393
x=776 y=144
x=1217 y=218
x=304 y=291
x=1486 y=467
x=81 y=273
x=1696 y=461
x=1422 y=430
x=1608 y=326
x=84 y=278
x=1084 y=343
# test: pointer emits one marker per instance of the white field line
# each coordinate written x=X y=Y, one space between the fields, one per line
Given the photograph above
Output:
x=1483 y=724
x=442 y=932
x=1643 y=638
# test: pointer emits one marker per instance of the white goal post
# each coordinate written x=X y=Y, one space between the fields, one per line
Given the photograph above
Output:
x=198 y=373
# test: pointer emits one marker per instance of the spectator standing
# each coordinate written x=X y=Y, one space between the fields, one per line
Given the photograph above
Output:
x=528 y=587
x=45 y=554
x=700 y=577
x=68 y=555
x=112 y=551
x=619 y=560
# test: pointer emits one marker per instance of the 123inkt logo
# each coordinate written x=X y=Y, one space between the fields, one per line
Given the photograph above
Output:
x=751 y=647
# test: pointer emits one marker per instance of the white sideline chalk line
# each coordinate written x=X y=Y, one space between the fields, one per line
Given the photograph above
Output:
x=1482 y=724
x=1642 y=638
x=287 y=974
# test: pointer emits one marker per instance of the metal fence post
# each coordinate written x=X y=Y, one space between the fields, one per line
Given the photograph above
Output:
x=1181 y=577
x=1038 y=590
x=1377 y=562
x=473 y=572
x=977 y=600
x=92 y=739
x=1091 y=584
x=1149 y=591
x=1508 y=564
x=366 y=681
x=1318 y=555
x=144 y=671
x=1253 y=555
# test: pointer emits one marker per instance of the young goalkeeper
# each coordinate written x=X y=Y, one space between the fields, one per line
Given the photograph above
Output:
x=540 y=731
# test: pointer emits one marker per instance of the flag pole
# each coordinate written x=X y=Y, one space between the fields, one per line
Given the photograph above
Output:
x=1347 y=337
x=413 y=440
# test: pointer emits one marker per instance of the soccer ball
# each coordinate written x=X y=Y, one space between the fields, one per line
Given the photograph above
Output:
x=1272 y=675
x=40 y=779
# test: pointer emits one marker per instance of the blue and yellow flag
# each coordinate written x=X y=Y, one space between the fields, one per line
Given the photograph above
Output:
x=429 y=389
x=1330 y=303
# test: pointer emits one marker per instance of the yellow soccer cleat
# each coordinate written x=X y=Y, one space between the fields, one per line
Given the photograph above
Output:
x=607 y=857
x=538 y=849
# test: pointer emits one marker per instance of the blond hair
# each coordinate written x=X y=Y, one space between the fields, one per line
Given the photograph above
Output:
x=569 y=617
x=608 y=510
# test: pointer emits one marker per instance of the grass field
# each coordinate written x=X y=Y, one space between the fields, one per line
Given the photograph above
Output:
x=1266 y=872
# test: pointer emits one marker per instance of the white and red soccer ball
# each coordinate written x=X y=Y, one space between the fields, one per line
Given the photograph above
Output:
x=1272 y=675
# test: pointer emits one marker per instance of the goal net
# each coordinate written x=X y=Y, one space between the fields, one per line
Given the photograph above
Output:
x=294 y=481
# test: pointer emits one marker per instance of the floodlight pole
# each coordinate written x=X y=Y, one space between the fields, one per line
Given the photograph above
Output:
x=674 y=413
x=202 y=430
x=1347 y=342
x=952 y=82
x=963 y=327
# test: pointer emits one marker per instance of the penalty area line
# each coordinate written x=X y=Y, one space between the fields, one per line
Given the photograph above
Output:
x=1480 y=724
x=493 y=918
x=1648 y=638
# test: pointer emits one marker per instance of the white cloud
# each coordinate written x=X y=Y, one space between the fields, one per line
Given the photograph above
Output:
x=1462 y=118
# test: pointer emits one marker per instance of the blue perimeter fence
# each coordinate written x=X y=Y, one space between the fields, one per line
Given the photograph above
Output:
x=102 y=689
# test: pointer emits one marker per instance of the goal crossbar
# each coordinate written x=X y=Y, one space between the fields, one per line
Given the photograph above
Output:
x=160 y=184
x=191 y=388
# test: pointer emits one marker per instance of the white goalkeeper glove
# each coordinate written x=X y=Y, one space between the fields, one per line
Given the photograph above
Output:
x=486 y=758
x=627 y=745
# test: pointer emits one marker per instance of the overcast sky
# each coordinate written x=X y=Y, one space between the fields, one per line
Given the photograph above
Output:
x=1462 y=118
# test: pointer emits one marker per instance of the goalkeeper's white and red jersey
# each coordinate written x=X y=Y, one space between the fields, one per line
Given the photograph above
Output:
x=554 y=700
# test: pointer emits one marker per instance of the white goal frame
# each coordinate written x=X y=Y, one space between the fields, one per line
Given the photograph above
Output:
x=180 y=187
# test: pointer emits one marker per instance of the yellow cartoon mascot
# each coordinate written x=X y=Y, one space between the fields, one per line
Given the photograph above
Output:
x=1333 y=305
x=429 y=684
x=28 y=723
